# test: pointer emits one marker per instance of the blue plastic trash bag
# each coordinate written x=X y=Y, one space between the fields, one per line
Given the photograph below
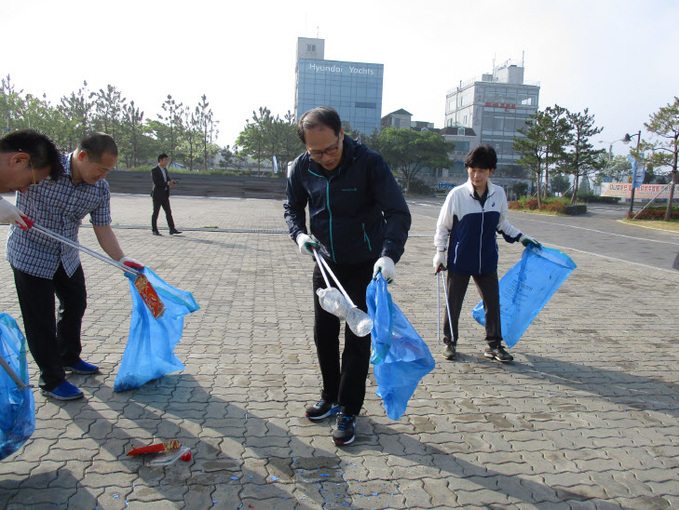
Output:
x=17 y=408
x=149 y=353
x=400 y=357
x=526 y=288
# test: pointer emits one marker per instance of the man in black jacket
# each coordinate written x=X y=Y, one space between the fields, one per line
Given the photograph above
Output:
x=359 y=221
x=161 y=195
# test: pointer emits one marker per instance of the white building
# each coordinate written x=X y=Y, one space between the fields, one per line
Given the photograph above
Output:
x=495 y=107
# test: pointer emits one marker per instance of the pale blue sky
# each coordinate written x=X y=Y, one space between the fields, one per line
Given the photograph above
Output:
x=617 y=57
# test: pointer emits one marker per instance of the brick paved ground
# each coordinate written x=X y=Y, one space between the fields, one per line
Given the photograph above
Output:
x=586 y=416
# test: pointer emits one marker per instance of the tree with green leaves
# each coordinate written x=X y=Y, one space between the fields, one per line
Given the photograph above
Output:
x=407 y=152
x=226 y=157
x=173 y=120
x=11 y=106
x=190 y=136
x=617 y=168
x=132 y=133
x=560 y=184
x=268 y=136
x=541 y=144
x=664 y=126
x=288 y=145
x=251 y=139
x=207 y=127
x=76 y=110
x=581 y=156
x=108 y=110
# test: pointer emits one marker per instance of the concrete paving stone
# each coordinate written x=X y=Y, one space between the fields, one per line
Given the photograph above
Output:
x=415 y=495
x=259 y=492
x=541 y=493
x=483 y=497
x=601 y=464
x=645 y=503
x=152 y=498
x=580 y=492
x=565 y=479
x=57 y=496
x=86 y=498
x=413 y=467
x=106 y=478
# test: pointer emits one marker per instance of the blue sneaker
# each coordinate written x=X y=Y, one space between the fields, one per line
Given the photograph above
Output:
x=65 y=391
x=345 y=431
x=82 y=367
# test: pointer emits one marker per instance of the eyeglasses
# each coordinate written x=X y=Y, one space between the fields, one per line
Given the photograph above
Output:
x=330 y=151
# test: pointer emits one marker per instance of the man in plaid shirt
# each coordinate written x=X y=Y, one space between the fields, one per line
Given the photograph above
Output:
x=44 y=267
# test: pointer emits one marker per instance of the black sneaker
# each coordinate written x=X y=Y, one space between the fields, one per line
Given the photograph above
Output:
x=174 y=232
x=345 y=431
x=321 y=410
x=498 y=353
x=156 y=233
x=449 y=352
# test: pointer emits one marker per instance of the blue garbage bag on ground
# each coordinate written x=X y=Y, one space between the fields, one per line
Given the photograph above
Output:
x=149 y=353
x=17 y=407
x=400 y=357
x=526 y=288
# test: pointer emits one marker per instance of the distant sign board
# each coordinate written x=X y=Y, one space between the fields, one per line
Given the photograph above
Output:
x=624 y=190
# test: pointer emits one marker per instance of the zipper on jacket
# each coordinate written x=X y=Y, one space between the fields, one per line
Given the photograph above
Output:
x=327 y=202
x=483 y=220
x=366 y=238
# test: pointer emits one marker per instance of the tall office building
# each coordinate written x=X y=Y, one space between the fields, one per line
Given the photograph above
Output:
x=495 y=107
x=354 y=89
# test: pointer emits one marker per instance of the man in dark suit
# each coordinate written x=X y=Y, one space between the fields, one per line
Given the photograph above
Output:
x=161 y=195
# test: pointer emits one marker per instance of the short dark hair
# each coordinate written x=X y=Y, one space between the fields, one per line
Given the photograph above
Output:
x=481 y=156
x=162 y=156
x=39 y=147
x=98 y=144
x=317 y=117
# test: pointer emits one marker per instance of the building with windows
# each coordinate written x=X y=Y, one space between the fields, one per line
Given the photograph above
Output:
x=495 y=107
x=354 y=89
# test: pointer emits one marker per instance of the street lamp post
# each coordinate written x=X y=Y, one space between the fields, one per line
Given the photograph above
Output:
x=628 y=139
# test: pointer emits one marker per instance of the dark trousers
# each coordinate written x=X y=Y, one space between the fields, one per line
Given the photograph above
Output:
x=343 y=381
x=54 y=344
x=487 y=285
x=165 y=204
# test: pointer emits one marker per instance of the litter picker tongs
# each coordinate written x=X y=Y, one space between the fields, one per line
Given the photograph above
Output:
x=340 y=304
x=440 y=277
x=142 y=284
x=12 y=374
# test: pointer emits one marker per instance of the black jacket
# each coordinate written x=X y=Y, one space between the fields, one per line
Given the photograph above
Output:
x=161 y=188
x=357 y=212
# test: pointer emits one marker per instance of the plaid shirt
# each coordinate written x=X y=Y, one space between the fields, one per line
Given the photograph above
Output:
x=59 y=206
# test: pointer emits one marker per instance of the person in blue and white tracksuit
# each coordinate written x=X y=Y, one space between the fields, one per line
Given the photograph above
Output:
x=358 y=222
x=466 y=246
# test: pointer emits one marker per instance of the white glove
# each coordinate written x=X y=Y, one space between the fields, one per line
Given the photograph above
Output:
x=305 y=243
x=130 y=262
x=10 y=214
x=386 y=266
x=525 y=240
x=440 y=261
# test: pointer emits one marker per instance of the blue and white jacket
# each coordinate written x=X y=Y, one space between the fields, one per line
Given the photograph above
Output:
x=472 y=227
x=357 y=212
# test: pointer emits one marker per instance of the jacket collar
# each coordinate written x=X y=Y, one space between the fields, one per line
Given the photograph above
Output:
x=470 y=187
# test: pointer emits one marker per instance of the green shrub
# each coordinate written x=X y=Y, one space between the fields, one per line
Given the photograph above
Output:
x=657 y=213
